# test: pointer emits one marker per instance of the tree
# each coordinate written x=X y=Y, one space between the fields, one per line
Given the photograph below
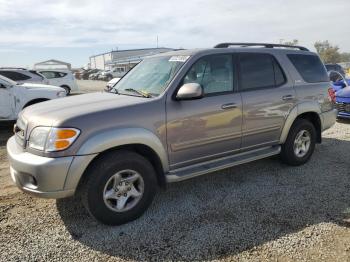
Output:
x=329 y=53
x=344 y=57
x=294 y=42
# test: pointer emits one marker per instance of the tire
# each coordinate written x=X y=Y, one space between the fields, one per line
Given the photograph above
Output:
x=67 y=89
x=290 y=148
x=100 y=181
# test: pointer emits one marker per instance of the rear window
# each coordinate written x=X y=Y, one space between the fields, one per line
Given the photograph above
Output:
x=309 y=67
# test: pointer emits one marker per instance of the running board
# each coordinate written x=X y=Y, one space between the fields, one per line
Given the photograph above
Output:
x=222 y=163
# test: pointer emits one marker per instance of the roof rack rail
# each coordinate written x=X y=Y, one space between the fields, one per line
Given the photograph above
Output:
x=266 y=45
x=17 y=68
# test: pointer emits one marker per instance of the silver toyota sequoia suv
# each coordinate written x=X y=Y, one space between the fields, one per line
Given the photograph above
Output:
x=174 y=116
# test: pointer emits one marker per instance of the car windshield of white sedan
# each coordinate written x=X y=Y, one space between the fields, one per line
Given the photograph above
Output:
x=151 y=76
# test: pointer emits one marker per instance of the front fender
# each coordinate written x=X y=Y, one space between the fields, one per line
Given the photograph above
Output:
x=126 y=136
x=304 y=107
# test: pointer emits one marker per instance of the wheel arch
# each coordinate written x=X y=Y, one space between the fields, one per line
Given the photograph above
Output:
x=35 y=101
x=308 y=111
x=142 y=150
x=138 y=140
x=65 y=85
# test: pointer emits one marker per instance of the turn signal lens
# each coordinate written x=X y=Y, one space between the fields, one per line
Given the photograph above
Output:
x=62 y=144
x=61 y=138
x=65 y=133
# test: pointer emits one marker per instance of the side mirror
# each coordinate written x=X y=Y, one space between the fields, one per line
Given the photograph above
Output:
x=190 y=91
x=2 y=85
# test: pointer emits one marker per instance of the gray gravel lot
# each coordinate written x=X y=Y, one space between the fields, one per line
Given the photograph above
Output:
x=86 y=86
x=260 y=211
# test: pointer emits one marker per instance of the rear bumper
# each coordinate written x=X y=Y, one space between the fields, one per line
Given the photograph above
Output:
x=329 y=118
x=36 y=175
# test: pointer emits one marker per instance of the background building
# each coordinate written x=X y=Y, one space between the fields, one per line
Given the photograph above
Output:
x=53 y=64
x=123 y=59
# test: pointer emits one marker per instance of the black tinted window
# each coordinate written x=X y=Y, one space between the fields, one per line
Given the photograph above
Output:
x=279 y=75
x=260 y=71
x=309 y=67
x=214 y=73
x=14 y=75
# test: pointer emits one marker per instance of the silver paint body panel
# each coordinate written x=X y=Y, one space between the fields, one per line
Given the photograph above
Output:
x=186 y=135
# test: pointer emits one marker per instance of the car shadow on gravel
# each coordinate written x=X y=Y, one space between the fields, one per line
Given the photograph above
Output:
x=225 y=213
x=5 y=132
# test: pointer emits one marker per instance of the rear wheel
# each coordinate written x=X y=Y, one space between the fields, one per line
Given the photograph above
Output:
x=67 y=89
x=119 y=187
x=300 y=143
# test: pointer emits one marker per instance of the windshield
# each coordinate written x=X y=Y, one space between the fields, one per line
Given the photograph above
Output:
x=151 y=76
x=7 y=81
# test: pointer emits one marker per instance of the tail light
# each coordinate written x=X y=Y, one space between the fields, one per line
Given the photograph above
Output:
x=331 y=94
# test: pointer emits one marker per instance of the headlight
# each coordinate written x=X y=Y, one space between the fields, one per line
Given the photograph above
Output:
x=38 y=137
x=61 y=94
x=52 y=139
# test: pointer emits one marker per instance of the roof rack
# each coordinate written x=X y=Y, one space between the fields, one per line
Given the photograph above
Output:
x=17 y=68
x=266 y=45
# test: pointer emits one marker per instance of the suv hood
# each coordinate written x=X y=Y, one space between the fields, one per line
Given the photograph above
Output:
x=65 y=110
x=36 y=86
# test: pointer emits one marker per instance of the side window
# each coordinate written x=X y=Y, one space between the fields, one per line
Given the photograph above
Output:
x=48 y=74
x=14 y=75
x=60 y=74
x=309 y=67
x=259 y=71
x=280 y=78
x=214 y=73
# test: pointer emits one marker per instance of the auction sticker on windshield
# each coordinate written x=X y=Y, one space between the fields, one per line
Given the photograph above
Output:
x=179 y=58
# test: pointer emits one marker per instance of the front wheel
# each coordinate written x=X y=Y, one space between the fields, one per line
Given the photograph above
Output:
x=300 y=143
x=119 y=187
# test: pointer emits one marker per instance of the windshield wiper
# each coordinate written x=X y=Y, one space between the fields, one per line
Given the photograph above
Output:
x=142 y=93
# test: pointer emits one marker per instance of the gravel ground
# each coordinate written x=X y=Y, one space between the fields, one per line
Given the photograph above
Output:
x=262 y=211
x=86 y=86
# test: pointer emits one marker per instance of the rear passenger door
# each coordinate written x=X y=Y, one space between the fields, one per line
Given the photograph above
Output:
x=267 y=98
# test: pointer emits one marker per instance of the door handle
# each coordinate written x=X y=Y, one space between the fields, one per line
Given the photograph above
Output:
x=287 y=97
x=229 y=106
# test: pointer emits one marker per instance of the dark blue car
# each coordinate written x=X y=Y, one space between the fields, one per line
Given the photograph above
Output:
x=342 y=94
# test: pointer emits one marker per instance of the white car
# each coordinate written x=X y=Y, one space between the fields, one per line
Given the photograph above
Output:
x=22 y=75
x=14 y=97
x=61 y=78
x=112 y=83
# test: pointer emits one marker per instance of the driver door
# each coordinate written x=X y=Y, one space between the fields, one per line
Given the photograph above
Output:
x=6 y=103
x=208 y=128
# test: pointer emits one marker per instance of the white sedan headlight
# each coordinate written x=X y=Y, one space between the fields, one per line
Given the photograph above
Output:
x=61 y=94
x=50 y=139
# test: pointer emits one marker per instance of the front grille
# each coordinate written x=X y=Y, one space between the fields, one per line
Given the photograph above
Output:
x=20 y=132
x=343 y=107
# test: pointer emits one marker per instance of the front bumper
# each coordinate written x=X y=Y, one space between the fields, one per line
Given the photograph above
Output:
x=36 y=175
x=344 y=115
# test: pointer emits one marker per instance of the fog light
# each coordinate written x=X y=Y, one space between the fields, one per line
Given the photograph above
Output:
x=32 y=180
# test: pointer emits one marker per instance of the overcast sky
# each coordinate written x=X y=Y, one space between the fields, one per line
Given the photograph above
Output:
x=73 y=30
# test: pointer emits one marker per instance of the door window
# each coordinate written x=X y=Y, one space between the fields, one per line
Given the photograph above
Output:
x=52 y=74
x=214 y=73
x=260 y=71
